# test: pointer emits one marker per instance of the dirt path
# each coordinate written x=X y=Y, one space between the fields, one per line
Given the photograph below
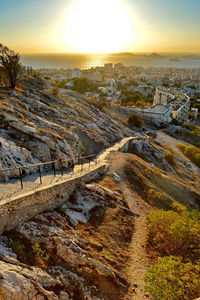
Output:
x=138 y=263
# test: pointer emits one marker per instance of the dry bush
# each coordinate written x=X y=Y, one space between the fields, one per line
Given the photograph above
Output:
x=55 y=91
x=96 y=103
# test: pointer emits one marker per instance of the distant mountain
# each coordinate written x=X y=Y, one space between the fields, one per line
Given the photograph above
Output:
x=191 y=56
x=176 y=59
x=123 y=54
x=156 y=55
x=153 y=55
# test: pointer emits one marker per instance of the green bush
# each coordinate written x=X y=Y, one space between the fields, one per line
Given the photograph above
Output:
x=39 y=252
x=135 y=121
x=175 y=122
x=5 y=123
x=175 y=233
x=158 y=199
x=182 y=147
x=18 y=247
x=170 y=158
x=171 y=279
x=188 y=126
x=192 y=152
x=140 y=103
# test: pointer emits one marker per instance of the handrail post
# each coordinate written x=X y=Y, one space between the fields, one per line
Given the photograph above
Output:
x=81 y=165
x=54 y=168
x=21 y=178
x=40 y=175
x=61 y=167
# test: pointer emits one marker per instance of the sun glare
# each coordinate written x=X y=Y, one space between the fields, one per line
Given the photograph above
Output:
x=98 y=26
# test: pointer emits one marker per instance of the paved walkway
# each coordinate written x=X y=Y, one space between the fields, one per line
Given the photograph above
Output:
x=32 y=182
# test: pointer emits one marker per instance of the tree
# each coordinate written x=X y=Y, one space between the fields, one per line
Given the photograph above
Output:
x=135 y=120
x=10 y=61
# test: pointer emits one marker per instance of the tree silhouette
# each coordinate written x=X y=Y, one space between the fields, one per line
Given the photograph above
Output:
x=10 y=61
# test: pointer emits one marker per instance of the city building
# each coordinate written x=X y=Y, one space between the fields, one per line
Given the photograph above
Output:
x=176 y=101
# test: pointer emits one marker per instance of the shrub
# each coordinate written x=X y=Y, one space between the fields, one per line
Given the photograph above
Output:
x=179 y=208
x=140 y=103
x=175 y=122
x=55 y=90
x=192 y=152
x=188 y=126
x=182 y=147
x=18 y=247
x=96 y=103
x=158 y=199
x=135 y=121
x=5 y=123
x=171 y=279
x=170 y=158
x=175 y=233
x=41 y=256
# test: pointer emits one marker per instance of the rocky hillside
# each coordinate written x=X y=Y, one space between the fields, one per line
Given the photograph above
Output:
x=94 y=246
x=75 y=252
x=37 y=126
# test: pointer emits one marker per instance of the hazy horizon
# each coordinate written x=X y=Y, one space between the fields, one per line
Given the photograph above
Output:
x=85 y=61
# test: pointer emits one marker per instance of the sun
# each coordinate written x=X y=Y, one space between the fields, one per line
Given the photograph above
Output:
x=98 y=26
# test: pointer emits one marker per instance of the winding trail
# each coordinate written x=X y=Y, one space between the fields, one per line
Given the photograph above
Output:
x=138 y=263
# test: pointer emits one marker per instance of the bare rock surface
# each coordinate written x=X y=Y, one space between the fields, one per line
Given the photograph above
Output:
x=39 y=126
x=60 y=254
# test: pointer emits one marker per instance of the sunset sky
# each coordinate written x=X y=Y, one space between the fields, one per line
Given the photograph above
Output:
x=100 y=26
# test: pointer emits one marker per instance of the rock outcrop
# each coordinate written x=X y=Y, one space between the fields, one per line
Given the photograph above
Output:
x=60 y=255
x=36 y=126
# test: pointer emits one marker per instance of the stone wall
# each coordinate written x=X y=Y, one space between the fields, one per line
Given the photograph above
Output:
x=15 y=210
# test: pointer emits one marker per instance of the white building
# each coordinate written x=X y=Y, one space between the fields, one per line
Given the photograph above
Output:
x=194 y=113
x=75 y=73
x=158 y=112
x=176 y=101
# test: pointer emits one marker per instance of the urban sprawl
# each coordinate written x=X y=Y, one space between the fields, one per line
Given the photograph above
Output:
x=165 y=94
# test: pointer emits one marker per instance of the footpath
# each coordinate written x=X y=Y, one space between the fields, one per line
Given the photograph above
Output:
x=13 y=188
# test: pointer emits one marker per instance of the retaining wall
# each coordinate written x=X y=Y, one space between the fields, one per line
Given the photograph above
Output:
x=15 y=210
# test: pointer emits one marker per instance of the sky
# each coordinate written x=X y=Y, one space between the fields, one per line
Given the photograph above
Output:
x=100 y=26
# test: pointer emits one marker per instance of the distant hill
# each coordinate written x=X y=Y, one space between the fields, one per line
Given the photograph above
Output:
x=156 y=55
x=191 y=56
x=123 y=54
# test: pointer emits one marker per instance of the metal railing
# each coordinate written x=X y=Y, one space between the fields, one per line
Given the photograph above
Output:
x=56 y=165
